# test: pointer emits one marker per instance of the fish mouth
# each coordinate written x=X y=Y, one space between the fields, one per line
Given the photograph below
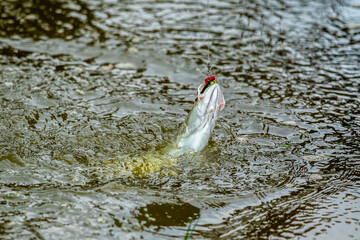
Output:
x=210 y=102
x=208 y=93
x=202 y=89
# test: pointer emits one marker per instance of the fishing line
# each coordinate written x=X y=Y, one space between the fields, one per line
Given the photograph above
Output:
x=208 y=39
x=207 y=72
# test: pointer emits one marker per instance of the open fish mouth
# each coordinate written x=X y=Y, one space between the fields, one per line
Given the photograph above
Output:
x=210 y=96
x=210 y=101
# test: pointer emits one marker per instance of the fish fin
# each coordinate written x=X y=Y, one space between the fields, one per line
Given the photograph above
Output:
x=222 y=103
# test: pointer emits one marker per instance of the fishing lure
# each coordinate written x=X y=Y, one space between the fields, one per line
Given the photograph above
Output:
x=211 y=79
x=208 y=81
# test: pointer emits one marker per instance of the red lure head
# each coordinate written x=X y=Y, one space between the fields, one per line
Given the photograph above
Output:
x=209 y=79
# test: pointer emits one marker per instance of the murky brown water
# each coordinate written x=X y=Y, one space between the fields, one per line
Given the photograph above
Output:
x=86 y=85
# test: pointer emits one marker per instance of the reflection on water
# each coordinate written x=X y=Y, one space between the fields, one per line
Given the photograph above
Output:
x=87 y=85
x=167 y=214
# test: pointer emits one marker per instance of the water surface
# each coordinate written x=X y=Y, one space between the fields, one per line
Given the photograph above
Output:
x=87 y=85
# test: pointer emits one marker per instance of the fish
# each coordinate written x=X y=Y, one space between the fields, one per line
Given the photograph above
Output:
x=194 y=133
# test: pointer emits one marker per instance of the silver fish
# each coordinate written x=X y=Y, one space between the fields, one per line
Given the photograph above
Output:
x=195 y=132
x=193 y=135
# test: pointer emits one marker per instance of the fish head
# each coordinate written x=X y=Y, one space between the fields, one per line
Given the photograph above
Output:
x=210 y=100
x=195 y=132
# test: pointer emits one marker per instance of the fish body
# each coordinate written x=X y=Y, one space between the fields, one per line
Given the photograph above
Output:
x=195 y=132
x=193 y=135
